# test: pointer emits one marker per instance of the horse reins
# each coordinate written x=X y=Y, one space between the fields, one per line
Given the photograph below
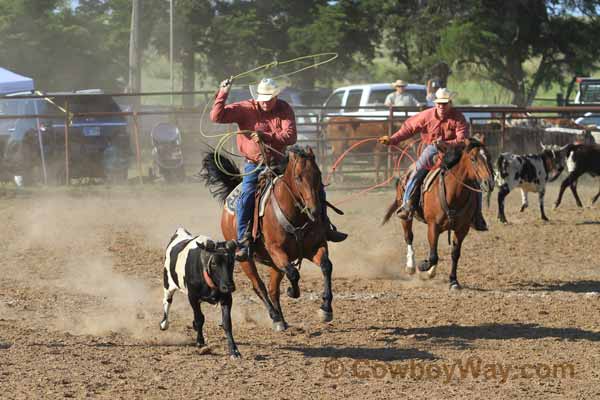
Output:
x=451 y=213
x=297 y=232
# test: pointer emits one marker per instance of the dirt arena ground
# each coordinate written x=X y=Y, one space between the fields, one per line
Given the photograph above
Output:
x=81 y=293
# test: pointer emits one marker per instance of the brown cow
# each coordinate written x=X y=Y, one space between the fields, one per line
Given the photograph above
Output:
x=343 y=132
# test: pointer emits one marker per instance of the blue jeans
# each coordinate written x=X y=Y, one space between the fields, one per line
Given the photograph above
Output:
x=245 y=204
x=424 y=163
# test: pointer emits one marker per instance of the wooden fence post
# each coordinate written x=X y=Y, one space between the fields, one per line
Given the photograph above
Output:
x=136 y=137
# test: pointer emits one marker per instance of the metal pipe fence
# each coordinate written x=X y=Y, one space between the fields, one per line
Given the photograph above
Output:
x=329 y=130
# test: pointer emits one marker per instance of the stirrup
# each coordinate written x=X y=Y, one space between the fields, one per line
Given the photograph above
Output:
x=242 y=254
x=406 y=211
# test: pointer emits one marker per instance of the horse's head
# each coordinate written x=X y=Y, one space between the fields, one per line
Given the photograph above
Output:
x=304 y=179
x=479 y=164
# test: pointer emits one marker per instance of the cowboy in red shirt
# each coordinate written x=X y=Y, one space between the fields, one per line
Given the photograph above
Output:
x=271 y=121
x=439 y=124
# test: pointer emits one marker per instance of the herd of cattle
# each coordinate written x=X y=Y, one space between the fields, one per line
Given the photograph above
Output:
x=203 y=269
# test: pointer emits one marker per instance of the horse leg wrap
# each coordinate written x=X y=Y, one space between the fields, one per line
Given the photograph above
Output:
x=292 y=273
x=294 y=276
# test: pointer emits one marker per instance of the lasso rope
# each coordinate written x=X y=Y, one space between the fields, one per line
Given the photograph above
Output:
x=404 y=152
x=272 y=64
x=217 y=154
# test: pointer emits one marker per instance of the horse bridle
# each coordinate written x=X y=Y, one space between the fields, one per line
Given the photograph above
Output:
x=478 y=179
x=299 y=204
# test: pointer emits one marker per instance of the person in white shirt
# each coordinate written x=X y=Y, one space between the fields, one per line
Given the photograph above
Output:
x=400 y=98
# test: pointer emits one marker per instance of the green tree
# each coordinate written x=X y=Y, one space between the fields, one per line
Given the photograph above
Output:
x=66 y=48
x=191 y=32
x=412 y=31
x=496 y=39
x=246 y=34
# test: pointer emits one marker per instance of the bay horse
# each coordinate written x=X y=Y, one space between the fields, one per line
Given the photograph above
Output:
x=449 y=204
x=291 y=228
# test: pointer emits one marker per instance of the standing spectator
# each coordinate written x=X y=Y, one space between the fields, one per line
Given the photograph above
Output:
x=432 y=86
x=400 y=98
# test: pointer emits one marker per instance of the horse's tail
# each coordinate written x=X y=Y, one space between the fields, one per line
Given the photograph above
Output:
x=219 y=183
x=391 y=209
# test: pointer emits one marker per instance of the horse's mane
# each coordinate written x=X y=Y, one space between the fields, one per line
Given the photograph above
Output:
x=453 y=154
x=297 y=150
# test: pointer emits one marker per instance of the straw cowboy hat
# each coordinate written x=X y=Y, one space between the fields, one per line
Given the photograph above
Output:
x=267 y=89
x=399 y=82
x=443 y=95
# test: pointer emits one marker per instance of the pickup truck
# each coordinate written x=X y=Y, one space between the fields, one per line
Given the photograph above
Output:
x=356 y=100
x=350 y=101
x=588 y=92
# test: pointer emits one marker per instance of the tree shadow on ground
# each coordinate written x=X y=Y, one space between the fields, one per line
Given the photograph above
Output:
x=362 y=353
x=499 y=332
x=588 y=223
x=575 y=287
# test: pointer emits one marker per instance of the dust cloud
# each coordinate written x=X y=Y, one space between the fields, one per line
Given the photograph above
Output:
x=79 y=248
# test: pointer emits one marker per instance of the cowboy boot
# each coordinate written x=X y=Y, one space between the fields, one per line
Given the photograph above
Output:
x=478 y=223
x=244 y=251
x=406 y=211
x=332 y=234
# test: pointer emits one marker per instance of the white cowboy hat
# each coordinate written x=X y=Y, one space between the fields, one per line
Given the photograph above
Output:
x=443 y=95
x=267 y=89
x=399 y=82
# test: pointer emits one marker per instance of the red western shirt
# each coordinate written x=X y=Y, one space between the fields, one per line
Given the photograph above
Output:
x=453 y=129
x=278 y=125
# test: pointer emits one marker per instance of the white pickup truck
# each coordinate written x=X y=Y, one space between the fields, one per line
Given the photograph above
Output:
x=355 y=100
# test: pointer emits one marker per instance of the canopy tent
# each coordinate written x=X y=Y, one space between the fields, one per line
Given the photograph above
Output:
x=11 y=82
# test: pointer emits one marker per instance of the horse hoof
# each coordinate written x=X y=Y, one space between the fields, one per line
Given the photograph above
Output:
x=410 y=269
x=279 y=326
x=294 y=294
x=424 y=266
x=164 y=325
x=431 y=272
x=326 y=316
x=455 y=286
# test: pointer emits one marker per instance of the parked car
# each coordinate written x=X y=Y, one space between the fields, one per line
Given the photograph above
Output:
x=589 y=120
x=99 y=146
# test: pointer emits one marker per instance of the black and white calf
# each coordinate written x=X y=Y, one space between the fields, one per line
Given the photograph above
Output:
x=203 y=269
x=528 y=172
x=581 y=159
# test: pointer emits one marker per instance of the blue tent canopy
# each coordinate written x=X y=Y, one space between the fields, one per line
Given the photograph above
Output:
x=11 y=82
